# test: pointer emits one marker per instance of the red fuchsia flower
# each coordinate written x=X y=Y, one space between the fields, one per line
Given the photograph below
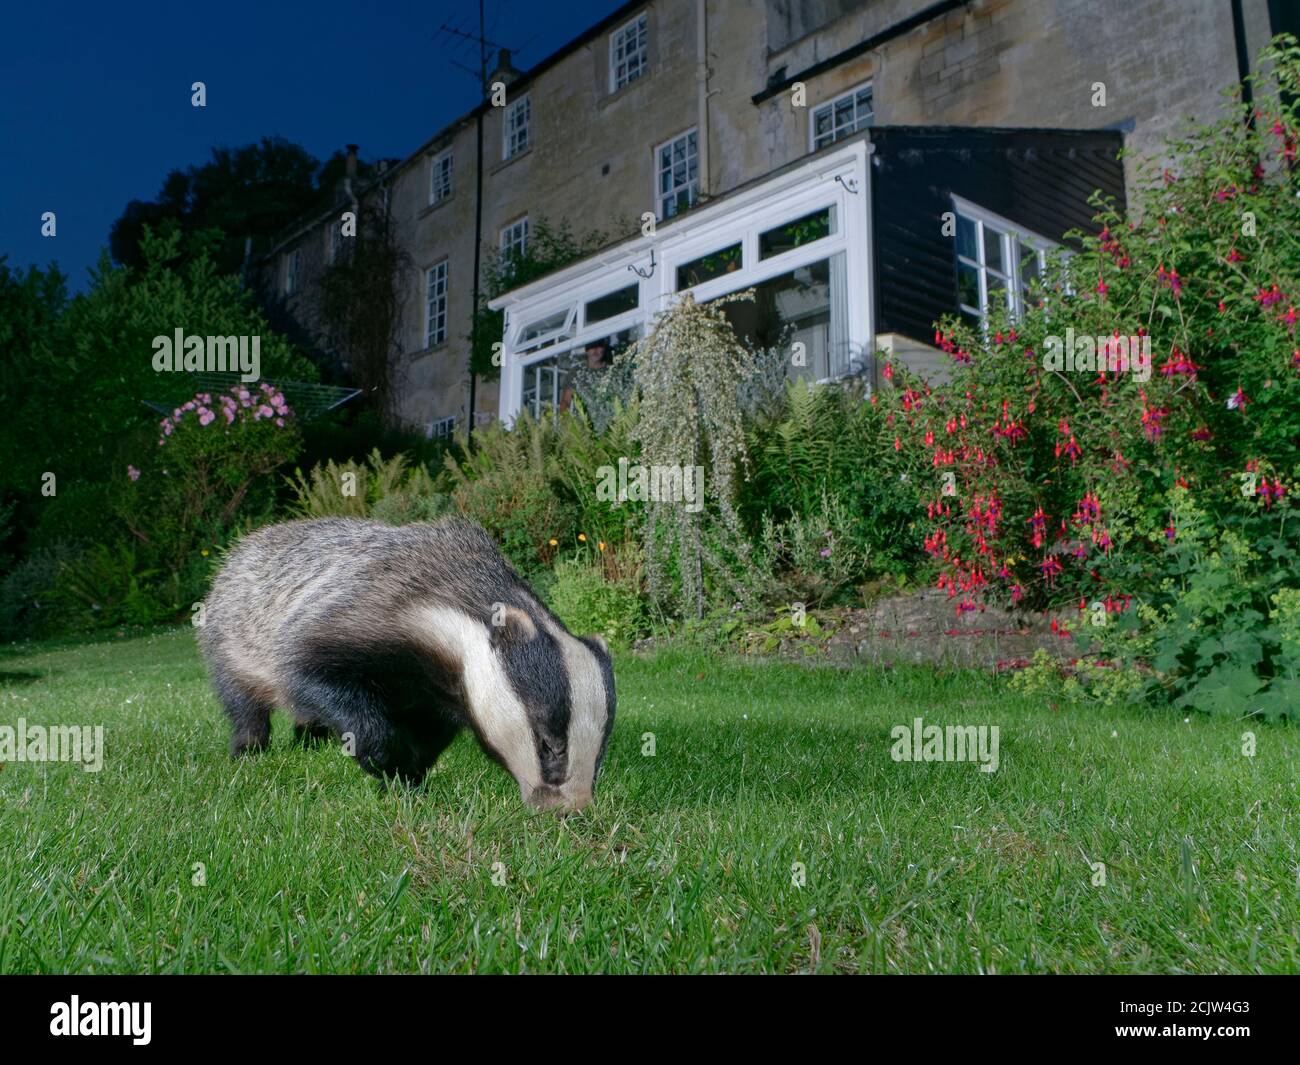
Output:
x=1170 y=533
x=1102 y=288
x=1088 y=509
x=1017 y=593
x=1118 y=462
x=889 y=371
x=898 y=444
x=1111 y=245
x=1222 y=306
x=1295 y=358
x=1223 y=195
x=1238 y=400
x=1266 y=297
x=1273 y=493
x=1287 y=149
x=1102 y=539
x=1178 y=363
x=1202 y=433
x=1171 y=279
x=1234 y=256
x=1152 y=418
x=1038 y=527
x=1288 y=319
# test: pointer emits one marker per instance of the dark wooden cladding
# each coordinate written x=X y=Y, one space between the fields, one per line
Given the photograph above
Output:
x=1039 y=179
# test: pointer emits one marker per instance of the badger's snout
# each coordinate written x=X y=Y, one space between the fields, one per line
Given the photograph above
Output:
x=565 y=799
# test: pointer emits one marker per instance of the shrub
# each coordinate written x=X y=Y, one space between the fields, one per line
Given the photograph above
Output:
x=105 y=585
x=828 y=443
x=387 y=490
x=1222 y=623
x=1050 y=485
x=27 y=606
x=689 y=370
x=587 y=602
x=810 y=559
x=508 y=485
x=209 y=465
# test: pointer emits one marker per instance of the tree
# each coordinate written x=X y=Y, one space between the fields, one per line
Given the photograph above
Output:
x=362 y=294
x=254 y=191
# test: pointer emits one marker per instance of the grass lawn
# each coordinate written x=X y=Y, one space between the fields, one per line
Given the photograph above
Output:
x=684 y=862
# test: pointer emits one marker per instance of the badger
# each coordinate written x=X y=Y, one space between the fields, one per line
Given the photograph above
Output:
x=394 y=638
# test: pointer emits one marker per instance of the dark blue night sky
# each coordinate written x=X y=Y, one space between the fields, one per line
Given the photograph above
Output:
x=95 y=103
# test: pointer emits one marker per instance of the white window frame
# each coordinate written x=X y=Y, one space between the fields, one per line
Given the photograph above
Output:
x=292 y=266
x=626 y=65
x=839 y=179
x=534 y=346
x=657 y=170
x=517 y=133
x=441 y=428
x=514 y=235
x=858 y=121
x=436 y=318
x=1015 y=241
x=440 y=176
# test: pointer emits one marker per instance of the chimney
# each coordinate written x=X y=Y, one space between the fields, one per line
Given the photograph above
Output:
x=505 y=71
x=345 y=193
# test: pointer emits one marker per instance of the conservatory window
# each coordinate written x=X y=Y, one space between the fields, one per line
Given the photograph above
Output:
x=707 y=267
x=805 y=312
x=797 y=232
x=612 y=305
x=550 y=383
x=546 y=330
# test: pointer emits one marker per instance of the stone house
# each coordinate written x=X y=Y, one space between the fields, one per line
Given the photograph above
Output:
x=745 y=111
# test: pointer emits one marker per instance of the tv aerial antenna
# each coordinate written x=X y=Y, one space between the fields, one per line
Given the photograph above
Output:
x=462 y=36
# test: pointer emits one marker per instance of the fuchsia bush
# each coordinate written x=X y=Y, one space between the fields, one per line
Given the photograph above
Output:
x=1060 y=480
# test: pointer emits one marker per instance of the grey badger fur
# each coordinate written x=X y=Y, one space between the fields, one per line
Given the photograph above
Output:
x=400 y=636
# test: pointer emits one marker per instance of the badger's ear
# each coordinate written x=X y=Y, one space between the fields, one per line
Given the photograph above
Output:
x=510 y=625
x=599 y=640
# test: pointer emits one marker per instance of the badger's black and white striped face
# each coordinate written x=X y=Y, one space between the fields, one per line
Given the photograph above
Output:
x=540 y=699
